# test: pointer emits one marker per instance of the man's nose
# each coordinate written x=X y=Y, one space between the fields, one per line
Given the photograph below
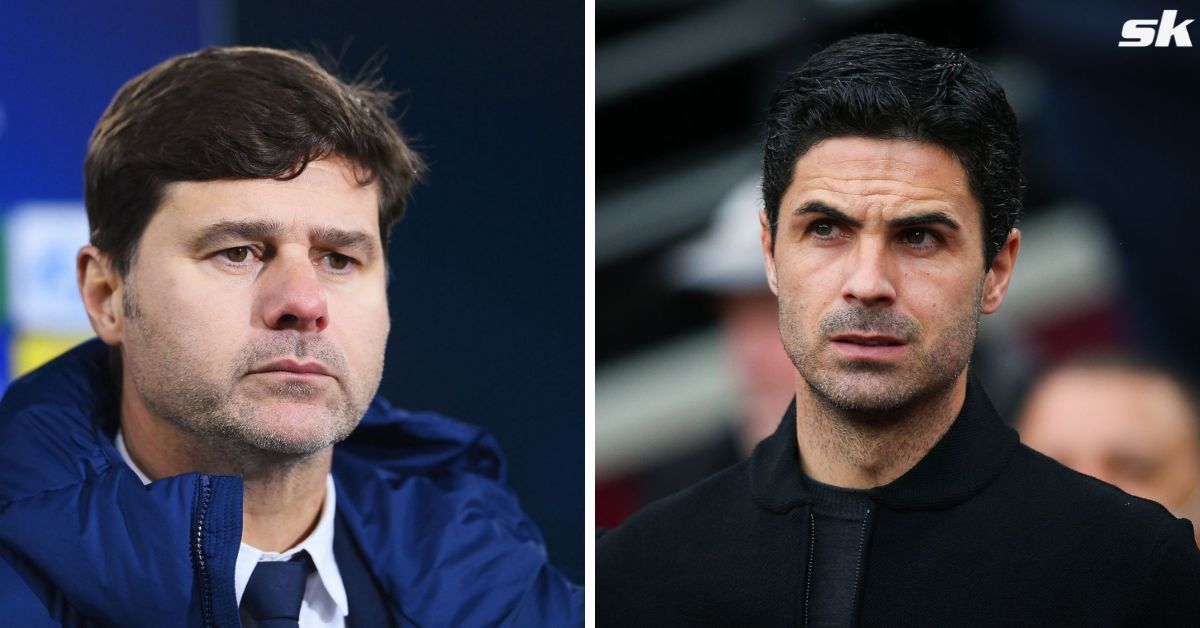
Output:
x=292 y=296
x=869 y=275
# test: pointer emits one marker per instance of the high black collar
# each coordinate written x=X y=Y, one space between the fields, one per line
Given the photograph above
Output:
x=968 y=457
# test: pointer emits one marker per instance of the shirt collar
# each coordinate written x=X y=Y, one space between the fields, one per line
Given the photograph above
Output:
x=318 y=544
x=119 y=441
x=966 y=459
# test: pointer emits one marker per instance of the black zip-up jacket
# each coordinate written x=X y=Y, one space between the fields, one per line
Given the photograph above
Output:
x=983 y=531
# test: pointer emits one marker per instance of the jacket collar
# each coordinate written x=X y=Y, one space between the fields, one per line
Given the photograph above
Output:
x=966 y=459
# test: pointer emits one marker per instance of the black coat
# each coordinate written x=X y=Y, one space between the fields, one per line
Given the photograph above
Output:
x=983 y=531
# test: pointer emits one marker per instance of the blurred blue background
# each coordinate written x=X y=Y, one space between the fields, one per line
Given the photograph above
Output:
x=486 y=290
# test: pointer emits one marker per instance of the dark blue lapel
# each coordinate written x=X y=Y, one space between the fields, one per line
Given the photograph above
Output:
x=368 y=608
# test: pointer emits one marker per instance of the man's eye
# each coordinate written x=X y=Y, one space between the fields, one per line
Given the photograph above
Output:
x=823 y=229
x=237 y=254
x=917 y=237
x=337 y=261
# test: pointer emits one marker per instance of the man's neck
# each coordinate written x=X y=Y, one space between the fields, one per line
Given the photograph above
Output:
x=283 y=494
x=865 y=451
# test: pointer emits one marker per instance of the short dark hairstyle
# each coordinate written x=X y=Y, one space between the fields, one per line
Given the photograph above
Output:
x=235 y=113
x=899 y=87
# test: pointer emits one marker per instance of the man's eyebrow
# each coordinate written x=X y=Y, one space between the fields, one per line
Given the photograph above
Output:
x=226 y=230
x=255 y=230
x=345 y=239
x=821 y=208
x=930 y=218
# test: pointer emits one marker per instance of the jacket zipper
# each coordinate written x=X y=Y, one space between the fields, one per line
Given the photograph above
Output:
x=198 y=551
x=858 y=566
x=812 y=546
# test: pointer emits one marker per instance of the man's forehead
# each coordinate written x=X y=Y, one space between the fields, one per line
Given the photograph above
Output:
x=326 y=195
x=1085 y=406
x=854 y=170
x=335 y=169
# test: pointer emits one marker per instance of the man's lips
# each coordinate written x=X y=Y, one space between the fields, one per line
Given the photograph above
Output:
x=870 y=340
x=293 y=367
x=868 y=346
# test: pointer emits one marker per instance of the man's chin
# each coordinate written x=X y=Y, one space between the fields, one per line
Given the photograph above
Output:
x=288 y=387
x=295 y=428
x=850 y=367
x=877 y=392
x=864 y=391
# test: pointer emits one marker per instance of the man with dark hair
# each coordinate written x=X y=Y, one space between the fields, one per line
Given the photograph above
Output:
x=181 y=469
x=891 y=493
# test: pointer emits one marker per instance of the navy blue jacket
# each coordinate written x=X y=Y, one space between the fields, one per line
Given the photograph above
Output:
x=83 y=542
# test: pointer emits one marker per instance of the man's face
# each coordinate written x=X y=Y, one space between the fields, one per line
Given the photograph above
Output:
x=256 y=313
x=878 y=265
x=1134 y=430
x=767 y=379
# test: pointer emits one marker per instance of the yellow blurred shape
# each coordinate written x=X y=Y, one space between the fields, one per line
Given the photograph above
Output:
x=30 y=352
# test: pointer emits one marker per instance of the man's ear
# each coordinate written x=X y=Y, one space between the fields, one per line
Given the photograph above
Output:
x=768 y=247
x=100 y=287
x=995 y=284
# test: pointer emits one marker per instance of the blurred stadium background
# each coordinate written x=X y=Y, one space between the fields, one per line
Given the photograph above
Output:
x=682 y=86
x=485 y=289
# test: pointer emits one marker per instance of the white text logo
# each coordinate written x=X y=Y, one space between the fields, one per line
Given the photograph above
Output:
x=1142 y=33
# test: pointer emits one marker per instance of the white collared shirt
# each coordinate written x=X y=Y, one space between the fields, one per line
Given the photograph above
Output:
x=325 y=603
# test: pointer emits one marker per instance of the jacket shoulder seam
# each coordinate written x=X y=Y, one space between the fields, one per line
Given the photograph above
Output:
x=57 y=489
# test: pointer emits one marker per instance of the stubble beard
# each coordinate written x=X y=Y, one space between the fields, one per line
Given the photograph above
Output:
x=868 y=392
x=226 y=428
